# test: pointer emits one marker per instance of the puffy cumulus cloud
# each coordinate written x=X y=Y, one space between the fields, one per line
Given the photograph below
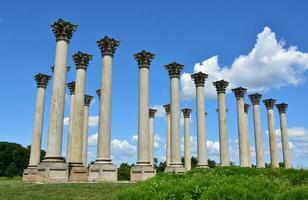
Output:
x=160 y=110
x=270 y=64
x=212 y=146
x=93 y=121
x=157 y=140
x=92 y=139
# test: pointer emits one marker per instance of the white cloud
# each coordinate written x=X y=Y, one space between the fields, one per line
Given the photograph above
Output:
x=160 y=110
x=268 y=65
x=93 y=121
x=92 y=139
x=135 y=138
x=122 y=148
x=157 y=141
x=66 y=121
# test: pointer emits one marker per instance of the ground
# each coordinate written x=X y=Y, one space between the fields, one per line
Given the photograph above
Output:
x=15 y=189
x=219 y=183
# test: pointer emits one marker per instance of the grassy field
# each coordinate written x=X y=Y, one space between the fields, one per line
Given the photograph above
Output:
x=15 y=189
x=218 y=183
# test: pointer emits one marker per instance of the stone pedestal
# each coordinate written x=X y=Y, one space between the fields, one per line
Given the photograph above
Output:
x=78 y=173
x=52 y=172
x=99 y=172
x=30 y=174
x=142 y=172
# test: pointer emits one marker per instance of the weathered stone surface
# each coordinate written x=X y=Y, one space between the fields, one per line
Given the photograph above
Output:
x=142 y=172
x=102 y=172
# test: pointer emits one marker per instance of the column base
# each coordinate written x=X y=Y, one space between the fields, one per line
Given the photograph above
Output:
x=260 y=166
x=55 y=159
x=77 y=172
x=103 y=171
x=52 y=172
x=202 y=166
x=175 y=168
x=141 y=172
x=30 y=174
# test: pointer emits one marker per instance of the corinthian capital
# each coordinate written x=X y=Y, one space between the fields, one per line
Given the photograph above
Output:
x=221 y=86
x=255 y=98
x=42 y=80
x=82 y=60
x=186 y=112
x=144 y=58
x=87 y=100
x=152 y=112
x=167 y=108
x=174 y=69
x=71 y=87
x=269 y=103
x=282 y=107
x=239 y=92
x=199 y=78
x=63 y=30
x=108 y=46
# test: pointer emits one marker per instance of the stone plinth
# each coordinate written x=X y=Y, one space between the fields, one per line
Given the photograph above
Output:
x=52 y=172
x=78 y=173
x=102 y=172
x=142 y=172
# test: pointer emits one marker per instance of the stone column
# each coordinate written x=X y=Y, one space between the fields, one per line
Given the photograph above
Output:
x=255 y=100
x=187 y=157
x=242 y=136
x=151 y=134
x=71 y=87
x=246 y=108
x=199 y=80
x=168 y=139
x=35 y=154
x=103 y=169
x=87 y=102
x=269 y=103
x=77 y=170
x=284 y=134
x=143 y=170
x=222 y=119
x=63 y=31
x=174 y=69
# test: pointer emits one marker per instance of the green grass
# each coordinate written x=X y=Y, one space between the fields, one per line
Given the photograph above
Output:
x=219 y=183
x=15 y=189
x=223 y=183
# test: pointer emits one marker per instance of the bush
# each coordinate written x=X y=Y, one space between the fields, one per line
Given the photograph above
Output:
x=222 y=183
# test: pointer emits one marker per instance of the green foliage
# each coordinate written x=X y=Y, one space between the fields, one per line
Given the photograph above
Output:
x=124 y=172
x=223 y=183
x=14 y=158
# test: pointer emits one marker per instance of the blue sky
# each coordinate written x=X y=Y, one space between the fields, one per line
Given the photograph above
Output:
x=250 y=44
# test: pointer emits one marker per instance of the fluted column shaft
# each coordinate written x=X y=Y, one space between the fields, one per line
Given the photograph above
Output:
x=187 y=156
x=271 y=132
x=35 y=153
x=168 y=139
x=222 y=119
x=239 y=93
x=246 y=122
x=255 y=100
x=71 y=87
x=201 y=137
x=104 y=132
x=54 y=140
x=175 y=122
x=284 y=135
x=151 y=135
